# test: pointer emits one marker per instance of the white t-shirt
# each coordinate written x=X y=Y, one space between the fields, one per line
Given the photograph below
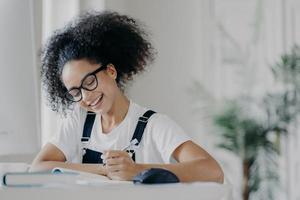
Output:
x=161 y=136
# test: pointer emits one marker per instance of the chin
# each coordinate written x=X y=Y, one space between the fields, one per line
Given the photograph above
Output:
x=101 y=110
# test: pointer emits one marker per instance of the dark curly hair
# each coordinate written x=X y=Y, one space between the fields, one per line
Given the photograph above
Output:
x=99 y=37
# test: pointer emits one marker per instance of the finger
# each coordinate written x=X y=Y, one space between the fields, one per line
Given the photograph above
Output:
x=113 y=161
x=115 y=153
x=113 y=168
x=116 y=176
x=118 y=160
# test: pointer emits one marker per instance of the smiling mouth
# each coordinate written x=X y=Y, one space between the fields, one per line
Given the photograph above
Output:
x=96 y=102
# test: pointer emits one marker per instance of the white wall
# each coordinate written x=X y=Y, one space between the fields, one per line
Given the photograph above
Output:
x=19 y=100
x=176 y=31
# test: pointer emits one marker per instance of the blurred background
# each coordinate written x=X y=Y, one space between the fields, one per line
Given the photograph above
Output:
x=227 y=71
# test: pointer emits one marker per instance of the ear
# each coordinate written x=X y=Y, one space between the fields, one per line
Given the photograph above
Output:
x=111 y=71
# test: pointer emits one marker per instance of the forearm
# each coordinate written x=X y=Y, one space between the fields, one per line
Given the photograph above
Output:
x=196 y=170
x=49 y=165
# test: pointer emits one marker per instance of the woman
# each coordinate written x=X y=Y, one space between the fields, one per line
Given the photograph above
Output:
x=85 y=67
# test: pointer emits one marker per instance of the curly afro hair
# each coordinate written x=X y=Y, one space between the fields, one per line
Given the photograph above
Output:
x=99 y=37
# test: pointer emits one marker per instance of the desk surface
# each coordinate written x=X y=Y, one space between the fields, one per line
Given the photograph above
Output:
x=203 y=191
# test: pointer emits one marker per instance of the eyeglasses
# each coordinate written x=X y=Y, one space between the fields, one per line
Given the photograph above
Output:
x=89 y=83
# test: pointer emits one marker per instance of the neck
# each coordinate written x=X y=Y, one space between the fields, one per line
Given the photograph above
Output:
x=116 y=115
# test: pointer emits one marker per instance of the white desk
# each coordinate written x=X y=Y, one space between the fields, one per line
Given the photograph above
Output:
x=192 y=191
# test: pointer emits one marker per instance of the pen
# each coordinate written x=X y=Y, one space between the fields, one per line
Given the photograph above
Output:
x=131 y=144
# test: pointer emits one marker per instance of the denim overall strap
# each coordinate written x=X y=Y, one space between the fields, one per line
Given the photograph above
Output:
x=141 y=125
x=89 y=156
x=139 y=130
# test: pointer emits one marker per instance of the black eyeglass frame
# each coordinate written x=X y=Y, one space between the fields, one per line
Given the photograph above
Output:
x=67 y=94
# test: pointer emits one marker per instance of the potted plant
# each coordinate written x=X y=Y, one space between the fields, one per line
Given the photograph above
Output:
x=256 y=140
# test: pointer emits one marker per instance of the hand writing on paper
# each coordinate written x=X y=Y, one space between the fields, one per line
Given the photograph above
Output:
x=120 y=166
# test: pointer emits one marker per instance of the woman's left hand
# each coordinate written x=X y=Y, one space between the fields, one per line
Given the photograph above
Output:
x=120 y=166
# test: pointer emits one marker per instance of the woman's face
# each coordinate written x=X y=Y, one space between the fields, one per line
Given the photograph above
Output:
x=102 y=98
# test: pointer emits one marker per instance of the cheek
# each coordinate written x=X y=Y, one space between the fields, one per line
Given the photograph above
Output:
x=111 y=91
x=108 y=86
x=83 y=105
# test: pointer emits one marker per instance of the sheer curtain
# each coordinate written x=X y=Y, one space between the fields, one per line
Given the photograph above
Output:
x=53 y=15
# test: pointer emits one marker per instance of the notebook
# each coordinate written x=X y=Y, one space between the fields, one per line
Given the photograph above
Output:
x=57 y=177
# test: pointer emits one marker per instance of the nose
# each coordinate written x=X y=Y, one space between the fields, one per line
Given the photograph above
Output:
x=86 y=96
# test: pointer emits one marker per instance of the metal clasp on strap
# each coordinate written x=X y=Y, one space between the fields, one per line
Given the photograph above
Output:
x=83 y=151
x=84 y=143
x=85 y=139
x=143 y=119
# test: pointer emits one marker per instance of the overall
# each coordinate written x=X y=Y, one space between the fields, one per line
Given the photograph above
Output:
x=91 y=156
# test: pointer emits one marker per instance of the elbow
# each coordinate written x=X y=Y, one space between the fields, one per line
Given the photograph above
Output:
x=35 y=166
x=209 y=170
x=39 y=165
x=220 y=176
x=217 y=172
